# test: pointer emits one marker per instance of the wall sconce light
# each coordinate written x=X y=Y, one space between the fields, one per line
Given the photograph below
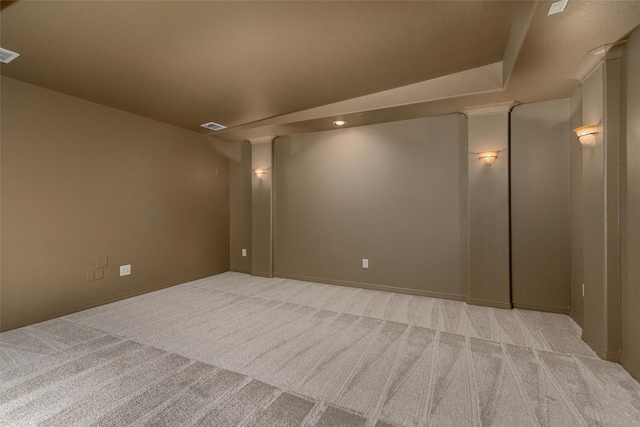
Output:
x=260 y=172
x=488 y=157
x=587 y=135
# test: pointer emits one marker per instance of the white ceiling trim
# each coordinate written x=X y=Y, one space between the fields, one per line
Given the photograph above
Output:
x=595 y=57
x=478 y=80
x=484 y=110
x=519 y=30
x=261 y=139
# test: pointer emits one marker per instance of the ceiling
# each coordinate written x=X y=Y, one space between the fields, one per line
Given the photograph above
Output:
x=274 y=68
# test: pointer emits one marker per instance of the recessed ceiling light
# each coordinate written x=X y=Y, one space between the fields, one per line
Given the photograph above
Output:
x=213 y=126
x=7 y=56
x=339 y=123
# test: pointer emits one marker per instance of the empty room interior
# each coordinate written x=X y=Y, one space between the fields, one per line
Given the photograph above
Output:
x=320 y=213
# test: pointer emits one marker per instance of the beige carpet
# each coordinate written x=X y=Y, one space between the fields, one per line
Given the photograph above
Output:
x=240 y=350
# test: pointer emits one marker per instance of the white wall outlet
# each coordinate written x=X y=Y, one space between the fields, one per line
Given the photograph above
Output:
x=244 y=252
x=583 y=290
x=365 y=263
x=125 y=270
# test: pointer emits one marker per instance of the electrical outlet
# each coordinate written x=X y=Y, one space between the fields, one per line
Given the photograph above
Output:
x=244 y=252
x=90 y=276
x=125 y=270
x=365 y=263
x=99 y=273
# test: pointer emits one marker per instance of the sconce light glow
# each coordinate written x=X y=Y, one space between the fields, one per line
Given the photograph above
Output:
x=339 y=123
x=488 y=157
x=260 y=172
x=587 y=135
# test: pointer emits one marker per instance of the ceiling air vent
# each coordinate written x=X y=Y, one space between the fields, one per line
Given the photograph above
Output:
x=7 y=56
x=213 y=126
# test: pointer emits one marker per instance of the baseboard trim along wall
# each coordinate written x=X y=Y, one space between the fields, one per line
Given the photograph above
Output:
x=49 y=316
x=373 y=287
x=259 y=274
x=494 y=304
x=547 y=308
x=609 y=356
x=633 y=370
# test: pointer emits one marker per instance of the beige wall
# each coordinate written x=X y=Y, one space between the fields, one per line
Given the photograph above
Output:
x=600 y=180
x=594 y=326
x=240 y=206
x=630 y=208
x=540 y=232
x=392 y=193
x=576 y=310
x=262 y=208
x=82 y=181
x=488 y=213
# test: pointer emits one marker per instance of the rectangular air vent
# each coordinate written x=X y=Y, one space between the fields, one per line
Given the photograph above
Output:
x=7 y=56
x=213 y=126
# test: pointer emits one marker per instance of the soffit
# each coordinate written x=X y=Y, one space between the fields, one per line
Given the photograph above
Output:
x=187 y=63
x=274 y=68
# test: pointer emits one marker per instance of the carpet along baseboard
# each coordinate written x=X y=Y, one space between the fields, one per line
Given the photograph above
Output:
x=373 y=287
x=609 y=356
x=547 y=308
x=75 y=309
x=633 y=370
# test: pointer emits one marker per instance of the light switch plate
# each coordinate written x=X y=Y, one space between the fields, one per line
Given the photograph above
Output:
x=244 y=252
x=102 y=262
x=365 y=263
x=99 y=274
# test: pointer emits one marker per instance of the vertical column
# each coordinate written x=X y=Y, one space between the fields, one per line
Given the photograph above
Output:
x=601 y=207
x=489 y=229
x=262 y=206
x=240 y=194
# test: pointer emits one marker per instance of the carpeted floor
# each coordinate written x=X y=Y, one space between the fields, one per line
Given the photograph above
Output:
x=240 y=350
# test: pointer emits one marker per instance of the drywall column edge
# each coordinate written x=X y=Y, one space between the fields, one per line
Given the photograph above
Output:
x=601 y=198
x=488 y=207
x=262 y=206
x=612 y=200
x=630 y=207
x=240 y=183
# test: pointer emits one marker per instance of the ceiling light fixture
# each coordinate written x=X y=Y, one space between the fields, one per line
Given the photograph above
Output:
x=213 y=126
x=7 y=56
x=488 y=157
x=587 y=135
x=339 y=123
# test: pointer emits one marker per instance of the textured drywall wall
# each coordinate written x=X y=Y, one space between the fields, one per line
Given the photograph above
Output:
x=394 y=194
x=240 y=206
x=630 y=208
x=576 y=210
x=594 y=327
x=84 y=185
x=540 y=232
x=262 y=209
x=489 y=245
x=601 y=211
